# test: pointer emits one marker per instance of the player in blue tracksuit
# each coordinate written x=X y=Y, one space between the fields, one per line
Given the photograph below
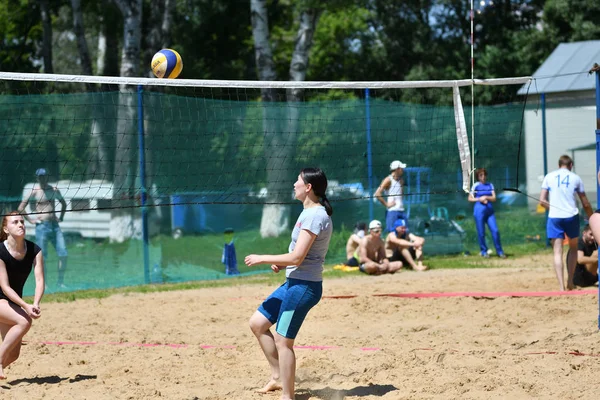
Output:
x=483 y=195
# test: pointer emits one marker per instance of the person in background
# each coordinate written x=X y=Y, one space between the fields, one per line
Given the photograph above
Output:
x=483 y=195
x=353 y=244
x=405 y=247
x=373 y=260
x=559 y=188
x=43 y=198
x=586 y=270
x=392 y=185
x=595 y=221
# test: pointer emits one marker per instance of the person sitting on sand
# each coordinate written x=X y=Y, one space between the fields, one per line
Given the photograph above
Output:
x=353 y=244
x=405 y=247
x=372 y=253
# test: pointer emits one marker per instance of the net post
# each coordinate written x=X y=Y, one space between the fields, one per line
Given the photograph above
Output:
x=369 y=155
x=597 y=75
x=142 y=166
x=544 y=147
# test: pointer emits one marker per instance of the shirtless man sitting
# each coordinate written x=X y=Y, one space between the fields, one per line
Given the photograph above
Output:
x=404 y=247
x=353 y=244
x=373 y=260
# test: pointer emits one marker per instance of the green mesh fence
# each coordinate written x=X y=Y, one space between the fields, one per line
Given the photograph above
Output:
x=214 y=157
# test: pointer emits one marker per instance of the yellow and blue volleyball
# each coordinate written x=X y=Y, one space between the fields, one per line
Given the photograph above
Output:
x=167 y=64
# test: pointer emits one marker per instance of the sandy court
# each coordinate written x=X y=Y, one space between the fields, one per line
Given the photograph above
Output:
x=196 y=344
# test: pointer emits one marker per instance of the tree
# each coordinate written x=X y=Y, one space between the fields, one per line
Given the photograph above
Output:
x=124 y=225
x=47 y=36
x=79 y=30
x=279 y=146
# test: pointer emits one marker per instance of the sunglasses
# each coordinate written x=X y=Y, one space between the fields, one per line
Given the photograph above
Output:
x=375 y=230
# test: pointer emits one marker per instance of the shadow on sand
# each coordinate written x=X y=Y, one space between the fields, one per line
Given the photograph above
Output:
x=53 y=379
x=339 y=394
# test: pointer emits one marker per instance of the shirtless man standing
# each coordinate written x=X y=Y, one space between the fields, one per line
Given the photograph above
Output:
x=373 y=260
x=43 y=198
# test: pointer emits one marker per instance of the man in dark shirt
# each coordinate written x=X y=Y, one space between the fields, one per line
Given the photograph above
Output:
x=586 y=271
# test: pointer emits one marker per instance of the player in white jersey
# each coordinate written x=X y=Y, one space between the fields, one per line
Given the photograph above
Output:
x=392 y=185
x=558 y=196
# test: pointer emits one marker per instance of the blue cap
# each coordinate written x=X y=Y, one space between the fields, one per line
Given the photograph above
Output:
x=399 y=222
x=41 y=171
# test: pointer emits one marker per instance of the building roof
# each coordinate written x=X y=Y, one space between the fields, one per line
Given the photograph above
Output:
x=591 y=146
x=566 y=69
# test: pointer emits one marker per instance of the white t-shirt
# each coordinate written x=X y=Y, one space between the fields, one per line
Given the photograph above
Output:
x=562 y=186
x=395 y=193
x=315 y=220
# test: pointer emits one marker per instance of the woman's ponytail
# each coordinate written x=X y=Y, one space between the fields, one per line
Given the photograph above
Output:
x=327 y=205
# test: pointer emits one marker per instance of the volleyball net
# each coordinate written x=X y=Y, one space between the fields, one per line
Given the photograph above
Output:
x=155 y=171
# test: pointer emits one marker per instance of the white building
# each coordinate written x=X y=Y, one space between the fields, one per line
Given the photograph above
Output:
x=564 y=89
x=88 y=207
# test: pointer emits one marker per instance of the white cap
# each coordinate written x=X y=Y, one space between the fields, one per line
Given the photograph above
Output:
x=375 y=224
x=397 y=164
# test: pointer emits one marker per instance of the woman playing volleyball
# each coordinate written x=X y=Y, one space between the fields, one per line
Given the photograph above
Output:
x=290 y=303
x=17 y=256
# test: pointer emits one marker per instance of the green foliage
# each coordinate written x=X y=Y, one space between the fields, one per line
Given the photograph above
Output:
x=355 y=39
x=20 y=32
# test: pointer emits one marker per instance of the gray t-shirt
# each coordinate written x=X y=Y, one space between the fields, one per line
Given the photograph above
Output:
x=315 y=220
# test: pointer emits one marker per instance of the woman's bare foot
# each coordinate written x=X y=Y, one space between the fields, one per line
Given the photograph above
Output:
x=2 y=376
x=271 y=386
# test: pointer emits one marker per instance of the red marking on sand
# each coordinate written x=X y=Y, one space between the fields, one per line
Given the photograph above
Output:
x=63 y=343
x=342 y=296
x=173 y=345
x=489 y=294
x=316 y=347
x=572 y=353
x=370 y=348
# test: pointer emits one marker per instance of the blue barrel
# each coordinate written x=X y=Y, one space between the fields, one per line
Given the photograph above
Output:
x=188 y=216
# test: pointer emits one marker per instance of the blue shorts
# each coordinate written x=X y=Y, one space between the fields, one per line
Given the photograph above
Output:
x=289 y=304
x=50 y=231
x=557 y=227
x=391 y=217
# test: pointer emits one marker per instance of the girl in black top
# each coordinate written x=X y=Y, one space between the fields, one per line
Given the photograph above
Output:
x=17 y=257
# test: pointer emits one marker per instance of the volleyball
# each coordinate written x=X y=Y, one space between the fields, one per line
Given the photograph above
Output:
x=167 y=64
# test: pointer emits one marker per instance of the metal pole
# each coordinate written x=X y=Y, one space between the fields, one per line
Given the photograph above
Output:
x=369 y=155
x=597 y=137
x=142 y=161
x=598 y=164
x=544 y=147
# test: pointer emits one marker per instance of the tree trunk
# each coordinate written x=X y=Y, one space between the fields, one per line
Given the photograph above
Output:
x=102 y=126
x=275 y=217
x=107 y=62
x=304 y=41
x=94 y=169
x=125 y=221
x=47 y=37
x=298 y=68
x=159 y=21
x=78 y=29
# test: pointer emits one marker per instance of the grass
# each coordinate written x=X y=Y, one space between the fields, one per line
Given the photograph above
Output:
x=436 y=262
x=101 y=269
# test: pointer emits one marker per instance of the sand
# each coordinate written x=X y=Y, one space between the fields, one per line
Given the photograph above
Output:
x=196 y=344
